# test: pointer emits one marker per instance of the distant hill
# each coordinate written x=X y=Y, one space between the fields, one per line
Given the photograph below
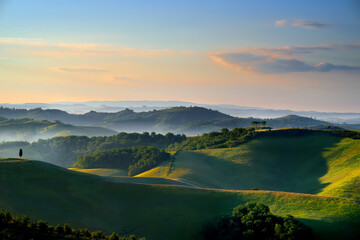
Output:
x=350 y=126
x=230 y=123
x=58 y=196
x=25 y=129
x=233 y=110
x=188 y=120
x=166 y=120
x=293 y=121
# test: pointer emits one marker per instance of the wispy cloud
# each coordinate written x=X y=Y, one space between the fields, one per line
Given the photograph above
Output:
x=41 y=48
x=273 y=66
x=301 y=23
x=126 y=81
x=281 y=60
x=280 y=23
x=77 y=69
x=309 y=24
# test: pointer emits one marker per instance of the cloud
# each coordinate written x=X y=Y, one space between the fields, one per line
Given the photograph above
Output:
x=293 y=50
x=77 y=69
x=41 y=48
x=309 y=24
x=301 y=23
x=273 y=66
x=125 y=80
x=280 y=23
x=281 y=60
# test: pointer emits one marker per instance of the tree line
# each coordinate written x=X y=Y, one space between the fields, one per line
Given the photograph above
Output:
x=223 y=139
x=232 y=138
x=255 y=221
x=12 y=227
x=64 y=151
x=135 y=159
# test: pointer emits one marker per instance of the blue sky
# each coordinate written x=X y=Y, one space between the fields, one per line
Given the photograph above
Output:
x=207 y=25
x=180 y=45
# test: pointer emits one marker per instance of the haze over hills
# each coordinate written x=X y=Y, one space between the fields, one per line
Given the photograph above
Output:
x=141 y=106
x=25 y=129
x=179 y=120
x=188 y=120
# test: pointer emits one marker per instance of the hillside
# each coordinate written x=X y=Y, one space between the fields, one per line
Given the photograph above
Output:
x=230 y=123
x=143 y=106
x=64 y=151
x=187 y=120
x=24 y=129
x=57 y=195
x=315 y=163
x=293 y=121
x=163 y=120
x=125 y=120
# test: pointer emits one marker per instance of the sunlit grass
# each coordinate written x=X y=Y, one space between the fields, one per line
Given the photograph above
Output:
x=317 y=164
x=103 y=171
x=57 y=195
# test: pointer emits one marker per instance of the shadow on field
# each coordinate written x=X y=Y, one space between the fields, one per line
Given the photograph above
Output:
x=332 y=230
x=279 y=163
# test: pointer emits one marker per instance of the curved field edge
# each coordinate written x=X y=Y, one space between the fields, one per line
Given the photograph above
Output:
x=57 y=195
x=316 y=164
x=343 y=176
x=105 y=172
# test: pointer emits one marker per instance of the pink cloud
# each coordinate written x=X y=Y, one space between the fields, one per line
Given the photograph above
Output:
x=280 y=23
x=40 y=48
x=301 y=23
x=280 y=60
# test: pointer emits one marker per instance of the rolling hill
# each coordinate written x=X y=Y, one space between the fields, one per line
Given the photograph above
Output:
x=187 y=120
x=143 y=106
x=24 y=129
x=315 y=163
x=57 y=195
x=230 y=123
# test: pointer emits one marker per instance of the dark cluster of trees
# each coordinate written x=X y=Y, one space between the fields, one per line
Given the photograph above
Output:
x=64 y=151
x=345 y=133
x=255 y=221
x=224 y=138
x=12 y=227
x=304 y=132
x=134 y=159
x=258 y=123
x=135 y=139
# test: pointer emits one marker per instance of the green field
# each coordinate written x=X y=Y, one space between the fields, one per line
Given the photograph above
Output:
x=58 y=195
x=316 y=164
x=103 y=172
x=313 y=177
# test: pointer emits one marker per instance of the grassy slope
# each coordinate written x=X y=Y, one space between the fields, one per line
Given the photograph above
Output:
x=119 y=175
x=57 y=195
x=106 y=172
x=269 y=163
x=308 y=164
x=343 y=177
x=160 y=171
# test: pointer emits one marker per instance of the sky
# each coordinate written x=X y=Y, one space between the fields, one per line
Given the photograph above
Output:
x=281 y=54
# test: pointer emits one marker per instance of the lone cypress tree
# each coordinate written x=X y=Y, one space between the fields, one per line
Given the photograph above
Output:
x=20 y=153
